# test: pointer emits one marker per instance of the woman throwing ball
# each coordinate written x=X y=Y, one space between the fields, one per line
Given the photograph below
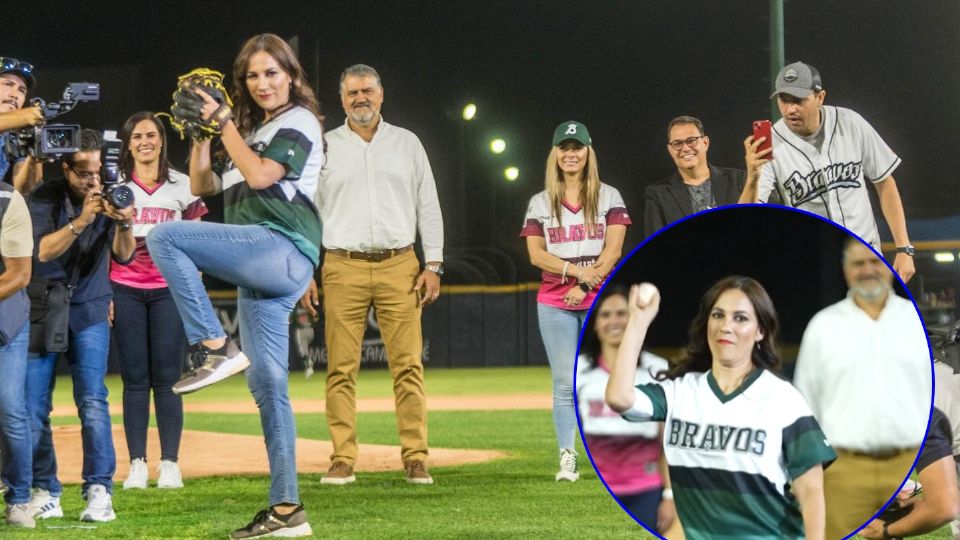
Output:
x=745 y=454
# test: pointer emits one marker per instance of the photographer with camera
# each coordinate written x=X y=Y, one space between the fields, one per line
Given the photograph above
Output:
x=75 y=229
x=16 y=79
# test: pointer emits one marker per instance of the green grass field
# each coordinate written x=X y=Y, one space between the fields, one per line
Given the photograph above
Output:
x=511 y=498
x=514 y=497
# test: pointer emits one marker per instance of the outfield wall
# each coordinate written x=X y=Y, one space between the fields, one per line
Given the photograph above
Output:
x=468 y=326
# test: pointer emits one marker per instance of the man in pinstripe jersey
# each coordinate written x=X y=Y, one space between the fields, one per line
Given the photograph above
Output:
x=823 y=158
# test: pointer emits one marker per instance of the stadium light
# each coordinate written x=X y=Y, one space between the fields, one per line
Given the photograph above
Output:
x=944 y=257
x=498 y=145
x=511 y=173
x=469 y=111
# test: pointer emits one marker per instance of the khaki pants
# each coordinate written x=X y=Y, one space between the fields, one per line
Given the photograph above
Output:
x=350 y=287
x=855 y=486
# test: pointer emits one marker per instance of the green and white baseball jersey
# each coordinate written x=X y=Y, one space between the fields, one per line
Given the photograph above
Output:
x=732 y=457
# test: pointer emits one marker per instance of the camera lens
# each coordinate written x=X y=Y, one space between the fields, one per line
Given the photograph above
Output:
x=57 y=138
x=120 y=196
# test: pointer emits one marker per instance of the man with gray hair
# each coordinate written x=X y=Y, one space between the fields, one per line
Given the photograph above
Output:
x=376 y=191
x=867 y=349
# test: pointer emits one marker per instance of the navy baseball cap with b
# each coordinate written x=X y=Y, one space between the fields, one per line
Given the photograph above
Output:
x=798 y=79
x=21 y=69
x=571 y=131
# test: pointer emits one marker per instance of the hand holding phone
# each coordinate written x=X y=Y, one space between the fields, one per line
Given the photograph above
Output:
x=762 y=128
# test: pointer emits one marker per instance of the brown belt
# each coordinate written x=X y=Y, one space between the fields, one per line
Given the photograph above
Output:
x=878 y=454
x=370 y=256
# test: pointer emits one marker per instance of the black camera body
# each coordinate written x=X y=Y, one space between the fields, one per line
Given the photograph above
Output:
x=117 y=195
x=53 y=140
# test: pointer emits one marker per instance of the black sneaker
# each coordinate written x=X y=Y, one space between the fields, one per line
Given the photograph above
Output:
x=269 y=523
x=215 y=366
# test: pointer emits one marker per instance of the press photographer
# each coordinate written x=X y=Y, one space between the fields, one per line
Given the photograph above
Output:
x=76 y=230
x=16 y=79
x=937 y=464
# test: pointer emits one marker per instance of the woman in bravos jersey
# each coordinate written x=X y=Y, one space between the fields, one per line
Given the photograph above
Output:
x=574 y=231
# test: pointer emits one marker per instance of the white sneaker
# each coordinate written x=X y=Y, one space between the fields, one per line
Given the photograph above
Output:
x=568 y=466
x=170 y=477
x=43 y=506
x=20 y=515
x=137 y=478
x=99 y=505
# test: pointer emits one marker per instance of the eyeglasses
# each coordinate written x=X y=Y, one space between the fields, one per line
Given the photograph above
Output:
x=678 y=144
x=86 y=175
x=12 y=64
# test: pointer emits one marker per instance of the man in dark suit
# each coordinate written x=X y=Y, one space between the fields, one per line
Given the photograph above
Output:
x=696 y=185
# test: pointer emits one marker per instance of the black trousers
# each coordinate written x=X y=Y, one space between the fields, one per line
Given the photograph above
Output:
x=151 y=346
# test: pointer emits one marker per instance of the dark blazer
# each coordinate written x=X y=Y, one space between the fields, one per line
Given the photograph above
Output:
x=669 y=199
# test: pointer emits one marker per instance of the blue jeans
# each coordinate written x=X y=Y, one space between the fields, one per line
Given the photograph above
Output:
x=271 y=275
x=14 y=429
x=88 y=366
x=560 y=331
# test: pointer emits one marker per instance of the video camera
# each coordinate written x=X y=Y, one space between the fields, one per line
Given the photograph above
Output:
x=945 y=342
x=117 y=195
x=53 y=140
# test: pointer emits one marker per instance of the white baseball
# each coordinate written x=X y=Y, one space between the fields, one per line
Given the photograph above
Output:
x=646 y=292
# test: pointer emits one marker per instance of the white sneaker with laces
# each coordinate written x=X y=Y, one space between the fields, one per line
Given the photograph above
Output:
x=137 y=478
x=99 y=505
x=170 y=477
x=43 y=506
x=20 y=515
x=568 y=466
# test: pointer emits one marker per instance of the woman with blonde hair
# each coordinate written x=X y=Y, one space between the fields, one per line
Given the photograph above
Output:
x=574 y=231
x=268 y=248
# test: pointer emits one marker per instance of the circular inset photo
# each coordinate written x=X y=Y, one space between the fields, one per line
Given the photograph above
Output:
x=756 y=372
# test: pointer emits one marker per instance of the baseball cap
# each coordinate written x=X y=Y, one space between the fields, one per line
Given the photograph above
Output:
x=22 y=69
x=571 y=130
x=798 y=79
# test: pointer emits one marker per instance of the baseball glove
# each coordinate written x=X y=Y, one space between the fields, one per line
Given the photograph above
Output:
x=185 y=112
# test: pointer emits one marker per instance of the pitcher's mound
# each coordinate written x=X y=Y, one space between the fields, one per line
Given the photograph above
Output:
x=204 y=453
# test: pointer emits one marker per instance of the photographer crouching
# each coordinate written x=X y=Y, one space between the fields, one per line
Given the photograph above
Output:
x=16 y=79
x=75 y=229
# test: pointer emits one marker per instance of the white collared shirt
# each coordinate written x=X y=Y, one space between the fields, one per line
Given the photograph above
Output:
x=377 y=195
x=867 y=381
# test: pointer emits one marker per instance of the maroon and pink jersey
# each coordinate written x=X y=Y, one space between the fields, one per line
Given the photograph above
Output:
x=572 y=242
x=167 y=201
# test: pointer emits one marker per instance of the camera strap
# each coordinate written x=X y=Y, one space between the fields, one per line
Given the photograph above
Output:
x=84 y=245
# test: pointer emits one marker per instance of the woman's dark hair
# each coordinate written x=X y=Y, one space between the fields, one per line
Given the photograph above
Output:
x=591 y=347
x=696 y=357
x=247 y=114
x=127 y=162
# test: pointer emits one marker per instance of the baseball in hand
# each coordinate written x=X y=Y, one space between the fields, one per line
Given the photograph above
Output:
x=646 y=292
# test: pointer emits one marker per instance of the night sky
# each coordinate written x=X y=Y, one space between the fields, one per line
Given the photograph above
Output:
x=624 y=68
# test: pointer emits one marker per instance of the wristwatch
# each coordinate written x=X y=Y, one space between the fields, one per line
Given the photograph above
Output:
x=435 y=268
x=124 y=226
x=908 y=249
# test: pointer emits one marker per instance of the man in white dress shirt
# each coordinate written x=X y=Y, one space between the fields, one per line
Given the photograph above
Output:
x=860 y=358
x=375 y=193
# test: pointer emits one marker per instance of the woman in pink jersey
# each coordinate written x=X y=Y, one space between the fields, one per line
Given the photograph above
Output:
x=147 y=329
x=628 y=455
x=574 y=231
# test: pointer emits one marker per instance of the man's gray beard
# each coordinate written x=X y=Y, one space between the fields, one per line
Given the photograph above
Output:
x=871 y=293
x=362 y=119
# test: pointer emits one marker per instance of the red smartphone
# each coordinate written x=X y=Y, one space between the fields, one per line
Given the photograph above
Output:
x=761 y=128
